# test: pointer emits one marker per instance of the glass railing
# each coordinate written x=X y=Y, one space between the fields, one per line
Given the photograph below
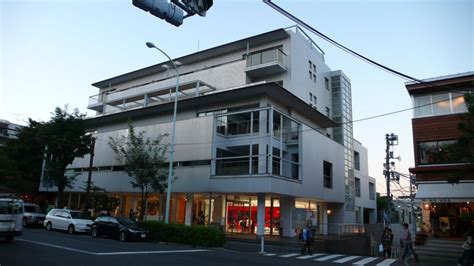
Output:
x=240 y=165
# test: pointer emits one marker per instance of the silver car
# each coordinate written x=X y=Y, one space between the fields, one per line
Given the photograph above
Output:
x=64 y=219
x=32 y=215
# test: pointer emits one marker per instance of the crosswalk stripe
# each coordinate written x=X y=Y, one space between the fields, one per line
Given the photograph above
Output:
x=328 y=257
x=386 y=262
x=310 y=256
x=289 y=255
x=364 y=261
x=346 y=259
x=269 y=254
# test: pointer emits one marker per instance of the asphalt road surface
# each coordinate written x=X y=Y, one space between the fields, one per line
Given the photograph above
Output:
x=40 y=247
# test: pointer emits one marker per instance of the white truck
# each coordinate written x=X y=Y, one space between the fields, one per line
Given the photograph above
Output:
x=11 y=216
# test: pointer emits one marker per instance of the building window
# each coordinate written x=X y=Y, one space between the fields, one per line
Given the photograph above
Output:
x=327 y=174
x=371 y=191
x=314 y=78
x=357 y=186
x=356 y=160
x=328 y=112
x=310 y=97
x=439 y=104
x=437 y=152
x=326 y=82
x=310 y=64
x=310 y=74
x=314 y=68
x=315 y=99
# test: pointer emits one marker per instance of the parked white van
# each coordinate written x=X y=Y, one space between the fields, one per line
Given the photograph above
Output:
x=11 y=216
x=65 y=219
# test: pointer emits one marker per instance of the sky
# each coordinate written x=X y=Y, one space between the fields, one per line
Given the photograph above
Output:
x=53 y=50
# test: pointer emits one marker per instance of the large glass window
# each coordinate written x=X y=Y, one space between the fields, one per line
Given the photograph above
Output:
x=457 y=101
x=441 y=105
x=371 y=191
x=327 y=175
x=356 y=160
x=357 y=186
x=422 y=105
x=437 y=152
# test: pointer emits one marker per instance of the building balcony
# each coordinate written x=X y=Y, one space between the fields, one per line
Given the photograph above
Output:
x=145 y=95
x=266 y=63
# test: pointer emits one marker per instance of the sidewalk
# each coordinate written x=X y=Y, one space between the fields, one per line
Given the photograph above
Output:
x=354 y=245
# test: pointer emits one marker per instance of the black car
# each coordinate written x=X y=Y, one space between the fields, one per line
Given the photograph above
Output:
x=121 y=228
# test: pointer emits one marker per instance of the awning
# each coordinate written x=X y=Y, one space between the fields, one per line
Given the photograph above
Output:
x=445 y=192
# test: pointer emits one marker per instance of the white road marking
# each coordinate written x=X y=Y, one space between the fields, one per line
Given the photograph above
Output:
x=149 y=252
x=346 y=259
x=55 y=246
x=386 y=262
x=309 y=256
x=289 y=255
x=328 y=257
x=364 y=261
x=269 y=254
x=114 y=253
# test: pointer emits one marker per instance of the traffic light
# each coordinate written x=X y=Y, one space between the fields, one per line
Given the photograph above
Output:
x=198 y=6
x=162 y=9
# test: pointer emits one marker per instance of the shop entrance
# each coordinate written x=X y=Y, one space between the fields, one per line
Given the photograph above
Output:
x=242 y=215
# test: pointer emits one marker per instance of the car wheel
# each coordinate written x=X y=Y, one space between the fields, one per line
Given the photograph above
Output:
x=70 y=229
x=123 y=236
x=49 y=226
x=94 y=232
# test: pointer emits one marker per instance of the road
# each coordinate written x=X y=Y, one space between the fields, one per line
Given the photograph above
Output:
x=39 y=247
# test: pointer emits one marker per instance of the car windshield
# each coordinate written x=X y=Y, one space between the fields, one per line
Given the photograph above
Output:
x=11 y=207
x=32 y=208
x=125 y=221
x=79 y=215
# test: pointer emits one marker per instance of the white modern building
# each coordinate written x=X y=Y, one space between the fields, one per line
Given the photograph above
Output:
x=263 y=138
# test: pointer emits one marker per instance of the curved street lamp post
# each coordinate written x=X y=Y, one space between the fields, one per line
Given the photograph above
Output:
x=173 y=134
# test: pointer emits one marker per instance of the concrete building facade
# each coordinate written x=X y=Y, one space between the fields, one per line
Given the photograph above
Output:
x=259 y=148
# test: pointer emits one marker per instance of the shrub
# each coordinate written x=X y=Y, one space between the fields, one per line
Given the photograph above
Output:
x=179 y=233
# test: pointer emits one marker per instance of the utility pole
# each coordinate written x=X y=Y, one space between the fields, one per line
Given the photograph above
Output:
x=390 y=140
x=89 y=177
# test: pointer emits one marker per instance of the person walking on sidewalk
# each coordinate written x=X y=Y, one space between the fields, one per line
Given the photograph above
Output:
x=387 y=241
x=307 y=240
x=468 y=247
x=408 y=243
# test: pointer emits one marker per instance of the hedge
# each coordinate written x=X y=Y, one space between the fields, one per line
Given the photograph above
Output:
x=179 y=233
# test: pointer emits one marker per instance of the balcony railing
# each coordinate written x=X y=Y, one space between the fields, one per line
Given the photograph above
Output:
x=145 y=95
x=267 y=62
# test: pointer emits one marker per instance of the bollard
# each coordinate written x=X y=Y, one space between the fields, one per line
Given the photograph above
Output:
x=262 y=244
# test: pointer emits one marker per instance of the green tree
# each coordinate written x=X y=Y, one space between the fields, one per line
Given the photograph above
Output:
x=61 y=139
x=21 y=159
x=100 y=200
x=144 y=160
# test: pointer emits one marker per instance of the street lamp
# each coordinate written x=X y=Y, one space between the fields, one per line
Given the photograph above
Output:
x=173 y=134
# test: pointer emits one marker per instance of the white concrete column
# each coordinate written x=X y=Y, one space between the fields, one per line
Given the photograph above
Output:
x=286 y=206
x=261 y=215
x=324 y=221
x=188 y=218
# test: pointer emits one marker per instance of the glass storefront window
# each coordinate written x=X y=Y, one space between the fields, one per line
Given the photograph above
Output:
x=436 y=152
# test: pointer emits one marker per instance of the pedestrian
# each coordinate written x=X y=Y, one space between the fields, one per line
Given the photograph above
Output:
x=387 y=241
x=468 y=247
x=407 y=243
x=307 y=240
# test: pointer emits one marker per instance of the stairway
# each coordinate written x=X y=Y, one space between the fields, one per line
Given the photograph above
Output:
x=440 y=250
